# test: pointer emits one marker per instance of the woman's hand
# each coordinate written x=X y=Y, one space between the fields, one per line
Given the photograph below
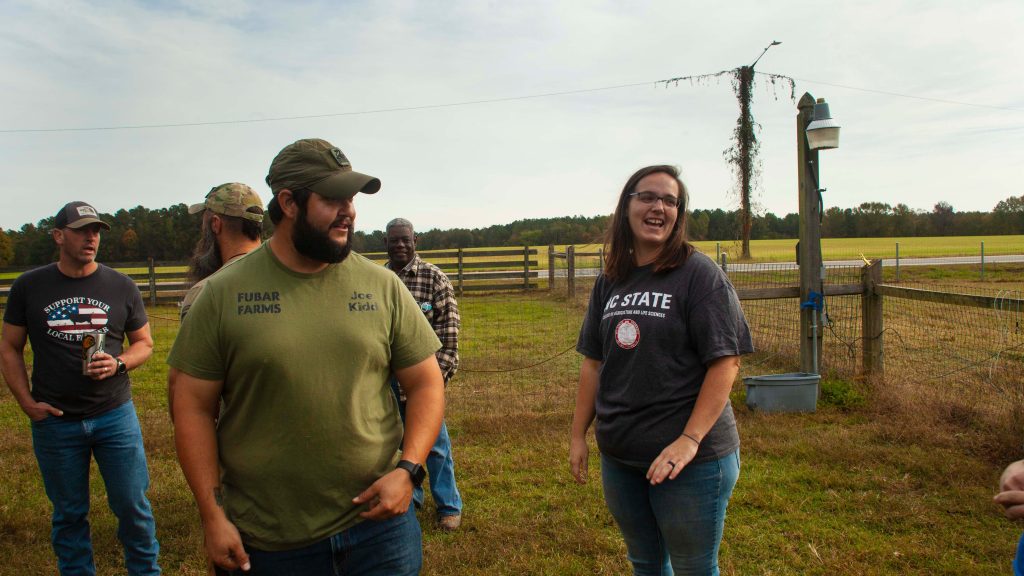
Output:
x=1011 y=491
x=578 y=455
x=586 y=396
x=672 y=460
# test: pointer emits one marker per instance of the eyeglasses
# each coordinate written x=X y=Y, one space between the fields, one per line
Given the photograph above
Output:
x=668 y=200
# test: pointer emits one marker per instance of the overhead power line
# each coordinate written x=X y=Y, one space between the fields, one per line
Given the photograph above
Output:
x=331 y=114
x=666 y=82
x=899 y=95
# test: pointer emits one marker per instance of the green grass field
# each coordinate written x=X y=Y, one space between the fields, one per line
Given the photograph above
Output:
x=784 y=250
x=842 y=248
x=859 y=487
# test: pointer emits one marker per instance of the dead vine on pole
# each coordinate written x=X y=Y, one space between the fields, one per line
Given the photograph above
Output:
x=743 y=155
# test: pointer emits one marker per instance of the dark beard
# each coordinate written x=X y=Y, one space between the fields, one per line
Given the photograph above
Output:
x=316 y=244
x=206 y=258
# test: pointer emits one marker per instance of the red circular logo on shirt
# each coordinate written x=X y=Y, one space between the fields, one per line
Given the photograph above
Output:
x=627 y=334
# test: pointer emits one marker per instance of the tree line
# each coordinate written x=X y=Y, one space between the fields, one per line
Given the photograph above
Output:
x=168 y=234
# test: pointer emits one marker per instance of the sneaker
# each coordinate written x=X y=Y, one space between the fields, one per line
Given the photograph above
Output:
x=450 y=523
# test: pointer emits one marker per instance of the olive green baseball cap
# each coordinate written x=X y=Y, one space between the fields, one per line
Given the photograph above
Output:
x=231 y=199
x=319 y=166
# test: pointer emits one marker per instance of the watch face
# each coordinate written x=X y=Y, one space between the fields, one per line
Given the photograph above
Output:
x=418 y=475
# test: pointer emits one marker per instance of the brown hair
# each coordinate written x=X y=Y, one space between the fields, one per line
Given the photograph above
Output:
x=619 y=237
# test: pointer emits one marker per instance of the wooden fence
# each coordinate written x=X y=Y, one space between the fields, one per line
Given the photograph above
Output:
x=165 y=283
x=873 y=291
x=496 y=270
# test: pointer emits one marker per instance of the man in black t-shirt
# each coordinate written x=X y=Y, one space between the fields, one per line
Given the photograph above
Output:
x=81 y=413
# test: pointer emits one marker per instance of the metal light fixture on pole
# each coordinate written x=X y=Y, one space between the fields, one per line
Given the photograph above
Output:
x=823 y=131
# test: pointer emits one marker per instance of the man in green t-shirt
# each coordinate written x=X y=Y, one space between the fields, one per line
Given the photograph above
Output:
x=306 y=468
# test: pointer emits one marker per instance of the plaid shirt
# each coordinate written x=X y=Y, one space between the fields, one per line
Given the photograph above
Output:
x=433 y=292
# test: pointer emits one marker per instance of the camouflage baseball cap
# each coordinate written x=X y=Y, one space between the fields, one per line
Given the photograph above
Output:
x=319 y=166
x=76 y=215
x=232 y=199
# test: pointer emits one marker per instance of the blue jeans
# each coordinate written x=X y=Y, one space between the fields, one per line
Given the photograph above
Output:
x=440 y=468
x=1018 y=561
x=63 y=449
x=392 y=547
x=676 y=526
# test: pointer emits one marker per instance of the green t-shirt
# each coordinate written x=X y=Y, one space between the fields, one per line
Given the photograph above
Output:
x=308 y=419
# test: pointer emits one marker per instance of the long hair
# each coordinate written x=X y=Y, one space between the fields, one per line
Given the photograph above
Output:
x=206 y=257
x=619 y=261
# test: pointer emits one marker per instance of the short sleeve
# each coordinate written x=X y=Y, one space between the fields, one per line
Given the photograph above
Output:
x=190 y=298
x=716 y=323
x=137 y=317
x=196 y=350
x=14 y=311
x=589 y=342
x=413 y=338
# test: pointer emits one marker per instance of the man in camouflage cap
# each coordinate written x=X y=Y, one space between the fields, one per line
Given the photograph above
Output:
x=307 y=471
x=232 y=227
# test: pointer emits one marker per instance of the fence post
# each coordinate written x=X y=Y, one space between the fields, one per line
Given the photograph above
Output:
x=600 y=259
x=809 y=247
x=551 y=266
x=897 y=262
x=460 y=272
x=152 y=284
x=570 y=258
x=872 y=326
x=982 y=260
x=718 y=251
x=725 y=262
x=526 y=267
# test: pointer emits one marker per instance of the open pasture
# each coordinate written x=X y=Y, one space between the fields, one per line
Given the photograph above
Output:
x=856 y=488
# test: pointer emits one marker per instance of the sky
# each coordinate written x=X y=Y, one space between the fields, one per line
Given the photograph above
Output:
x=474 y=113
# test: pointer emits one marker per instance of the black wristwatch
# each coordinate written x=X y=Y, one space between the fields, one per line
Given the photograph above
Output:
x=416 y=472
x=122 y=368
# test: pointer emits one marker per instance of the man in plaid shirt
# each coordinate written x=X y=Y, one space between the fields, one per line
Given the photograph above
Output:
x=433 y=292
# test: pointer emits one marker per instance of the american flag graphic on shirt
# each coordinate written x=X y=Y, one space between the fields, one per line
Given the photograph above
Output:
x=77 y=318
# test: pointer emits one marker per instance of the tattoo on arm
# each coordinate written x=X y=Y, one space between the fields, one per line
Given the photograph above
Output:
x=218 y=497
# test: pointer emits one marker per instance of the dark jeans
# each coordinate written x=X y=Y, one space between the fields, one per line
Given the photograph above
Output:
x=64 y=449
x=676 y=526
x=392 y=547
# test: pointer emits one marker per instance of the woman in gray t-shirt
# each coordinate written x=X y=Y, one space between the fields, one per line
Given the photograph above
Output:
x=661 y=344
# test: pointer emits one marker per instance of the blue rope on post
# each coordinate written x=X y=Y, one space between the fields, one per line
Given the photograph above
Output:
x=815 y=301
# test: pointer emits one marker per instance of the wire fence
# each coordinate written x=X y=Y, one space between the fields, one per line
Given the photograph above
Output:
x=517 y=348
x=966 y=355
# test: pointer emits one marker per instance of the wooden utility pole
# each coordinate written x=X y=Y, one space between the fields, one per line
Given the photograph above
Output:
x=809 y=253
x=746 y=141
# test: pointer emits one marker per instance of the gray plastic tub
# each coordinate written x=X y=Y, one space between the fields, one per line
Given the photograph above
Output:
x=793 y=392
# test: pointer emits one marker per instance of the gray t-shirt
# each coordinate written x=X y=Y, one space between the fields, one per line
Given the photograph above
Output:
x=655 y=334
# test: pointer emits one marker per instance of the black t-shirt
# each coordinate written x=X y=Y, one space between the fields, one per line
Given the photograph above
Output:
x=57 y=311
x=655 y=335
